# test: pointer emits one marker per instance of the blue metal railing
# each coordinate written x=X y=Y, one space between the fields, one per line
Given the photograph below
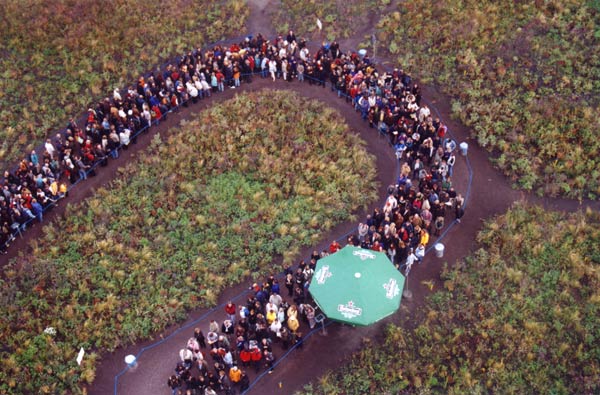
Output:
x=18 y=231
x=339 y=239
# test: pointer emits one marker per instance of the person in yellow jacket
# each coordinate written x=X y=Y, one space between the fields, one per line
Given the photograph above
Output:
x=63 y=191
x=292 y=311
x=424 y=237
x=293 y=323
x=235 y=374
x=54 y=189
x=271 y=316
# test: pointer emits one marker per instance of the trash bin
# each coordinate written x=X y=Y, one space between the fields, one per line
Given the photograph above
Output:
x=362 y=53
x=464 y=147
x=439 y=250
x=130 y=360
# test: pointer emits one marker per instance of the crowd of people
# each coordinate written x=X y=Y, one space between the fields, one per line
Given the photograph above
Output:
x=42 y=178
x=249 y=337
x=424 y=196
x=389 y=101
x=417 y=206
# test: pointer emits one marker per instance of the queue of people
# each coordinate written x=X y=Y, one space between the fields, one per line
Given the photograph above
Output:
x=41 y=179
x=390 y=102
x=248 y=338
x=418 y=204
x=423 y=197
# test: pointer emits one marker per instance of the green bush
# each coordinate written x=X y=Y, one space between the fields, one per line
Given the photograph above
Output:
x=524 y=76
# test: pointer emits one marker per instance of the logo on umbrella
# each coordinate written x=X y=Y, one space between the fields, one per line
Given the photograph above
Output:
x=391 y=288
x=323 y=274
x=363 y=255
x=349 y=310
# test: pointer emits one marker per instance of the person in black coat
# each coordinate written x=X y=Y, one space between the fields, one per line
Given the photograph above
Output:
x=244 y=382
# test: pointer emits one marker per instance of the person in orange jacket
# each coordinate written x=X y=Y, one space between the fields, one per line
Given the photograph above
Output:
x=235 y=374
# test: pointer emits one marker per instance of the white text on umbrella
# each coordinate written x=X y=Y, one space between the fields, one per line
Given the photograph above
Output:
x=323 y=274
x=363 y=255
x=391 y=288
x=349 y=310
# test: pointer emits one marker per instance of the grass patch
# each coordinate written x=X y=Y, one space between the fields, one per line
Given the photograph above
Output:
x=340 y=19
x=524 y=76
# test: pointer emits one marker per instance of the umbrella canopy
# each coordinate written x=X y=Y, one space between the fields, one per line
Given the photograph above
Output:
x=357 y=286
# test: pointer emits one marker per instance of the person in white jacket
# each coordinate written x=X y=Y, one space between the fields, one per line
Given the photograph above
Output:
x=412 y=258
x=198 y=86
x=420 y=252
x=192 y=91
x=273 y=68
x=50 y=148
x=124 y=137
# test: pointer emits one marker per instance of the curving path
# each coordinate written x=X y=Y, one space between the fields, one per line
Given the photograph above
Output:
x=490 y=195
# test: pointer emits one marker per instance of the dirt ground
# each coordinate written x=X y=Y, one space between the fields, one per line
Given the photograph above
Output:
x=489 y=194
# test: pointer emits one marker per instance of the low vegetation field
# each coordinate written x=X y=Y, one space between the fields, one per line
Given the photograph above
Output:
x=227 y=197
x=59 y=56
x=521 y=315
x=525 y=76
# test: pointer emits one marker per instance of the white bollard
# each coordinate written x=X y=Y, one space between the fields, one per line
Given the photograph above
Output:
x=439 y=250
x=131 y=361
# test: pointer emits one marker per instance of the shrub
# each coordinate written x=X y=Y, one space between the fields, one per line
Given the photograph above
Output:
x=523 y=75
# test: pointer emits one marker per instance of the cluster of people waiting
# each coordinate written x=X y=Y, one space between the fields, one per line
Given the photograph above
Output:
x=41 y=179
x=391 y=102
x=248 y=337
x=416 y=207
x=424 y=196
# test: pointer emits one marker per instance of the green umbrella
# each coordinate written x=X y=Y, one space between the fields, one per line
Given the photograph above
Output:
x=357 y=286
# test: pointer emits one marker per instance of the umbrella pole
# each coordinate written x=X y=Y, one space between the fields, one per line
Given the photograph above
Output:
x=407 y=293
x=320 y=318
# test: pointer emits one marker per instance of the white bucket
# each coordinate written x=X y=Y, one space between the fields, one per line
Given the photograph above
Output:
x=130 y=360
x=439 y=250
x=464 y=147
x=362 y=53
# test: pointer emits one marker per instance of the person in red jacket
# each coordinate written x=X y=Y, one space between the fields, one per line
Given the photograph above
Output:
x=256 y=356
x=334 y=247
x=220 y=81
x=231 y=311
x=245 y=356
x=156 y=114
